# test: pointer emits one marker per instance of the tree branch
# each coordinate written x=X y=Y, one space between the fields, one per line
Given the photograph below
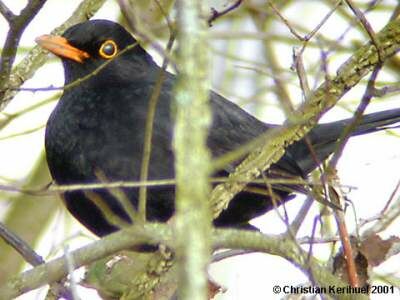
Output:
x=6 y=12
x=162 y=233
x=20 y=246
x=57 y=268
x=217 y=14
x=307 y=115
x=17 y=27
x=192 y=157
x=37 y=56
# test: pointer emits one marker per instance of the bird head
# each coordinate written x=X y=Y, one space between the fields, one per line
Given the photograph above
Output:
x=89 y=47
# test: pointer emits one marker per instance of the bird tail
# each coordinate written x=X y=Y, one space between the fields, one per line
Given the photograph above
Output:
x=324 y=138
x=377 y=121
x=372 y=122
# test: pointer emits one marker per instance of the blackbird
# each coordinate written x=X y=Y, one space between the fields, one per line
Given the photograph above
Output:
x=98 y=127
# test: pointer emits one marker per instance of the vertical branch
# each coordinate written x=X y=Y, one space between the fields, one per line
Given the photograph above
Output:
x=192 y=164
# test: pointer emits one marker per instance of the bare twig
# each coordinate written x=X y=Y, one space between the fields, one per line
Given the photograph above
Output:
x=347 y=249
x=49 y=88
x=336 y=197
x=390 y=215
x=29 y=255
x=6 y=12
x=285 y=21
x=339 y=215
x=162 y=233
x=20 y=246
x=367 y=26
x=54 y=188
x=72 y=277
x=229 y=253
x=314 y=31
x=217 y=14
x=56 y=269
x=149 y=130
x=37 y=57
x=134 y=24
x=316 y=240
x=26 y=131
x=323 y=21
x=385 y=91
x=391 y=198
x=17 y=27
x=365 y=100
x=301 y=73
x=120 y=196
x=396 y=12
x=10 y=117
x=301 y=215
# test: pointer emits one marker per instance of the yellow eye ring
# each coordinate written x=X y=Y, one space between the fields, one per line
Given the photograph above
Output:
x=108 y=49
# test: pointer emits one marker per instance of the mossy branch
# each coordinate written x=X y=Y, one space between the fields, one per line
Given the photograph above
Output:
x=192 y=158
x=307 y=115
x=162 y=233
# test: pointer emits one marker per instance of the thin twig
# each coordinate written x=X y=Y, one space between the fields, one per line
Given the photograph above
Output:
x=301 y=215
x=336 y=197
x=395 y=13
x=216 y=14
x=391 y=198
x=29 y=255
x=390 y=215
x=347 y=249
x=144 y=170
x=133 y=23
x=365 y=100
x=20 y=246
x=6 y=12
x=367 y=26
x=54 y=188
x=10 y=117
x=323 y=21
x=17 y=27
x=25 y=132
x=120 y=195
x=352 y=23
x=79 y=80
x=36 y=57
x=316 y=240
x=301 y=73
x=49 y=88
x=72 y=278
x=229 y=253
x=317 y=220
x=385 y=91
x=285 y=21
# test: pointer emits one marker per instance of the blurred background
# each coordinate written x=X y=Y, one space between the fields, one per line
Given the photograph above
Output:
x=252 y=65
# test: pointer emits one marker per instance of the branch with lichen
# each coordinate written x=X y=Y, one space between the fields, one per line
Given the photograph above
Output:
x=162 y=233
x=17 y=25
x=307 y=115
x=11 y=81
x=192 y=158
x=319 y=101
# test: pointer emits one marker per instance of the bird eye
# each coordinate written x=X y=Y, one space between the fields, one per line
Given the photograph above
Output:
x=108 y=49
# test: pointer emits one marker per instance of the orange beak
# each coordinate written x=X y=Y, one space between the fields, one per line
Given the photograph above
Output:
x=61 y=47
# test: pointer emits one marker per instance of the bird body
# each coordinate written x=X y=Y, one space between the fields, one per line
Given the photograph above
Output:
x=98 y=128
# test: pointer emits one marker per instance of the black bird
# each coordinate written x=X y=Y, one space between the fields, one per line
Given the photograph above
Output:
x=98 y=127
